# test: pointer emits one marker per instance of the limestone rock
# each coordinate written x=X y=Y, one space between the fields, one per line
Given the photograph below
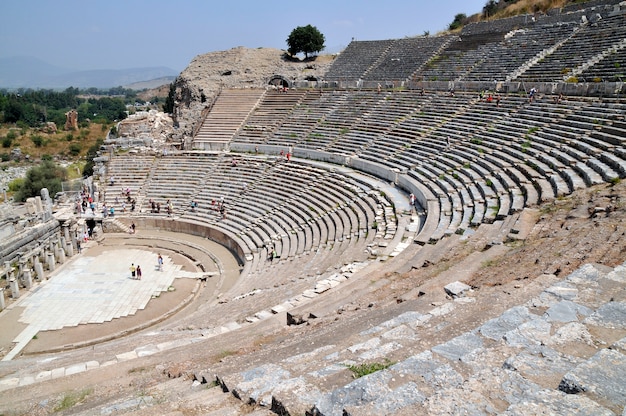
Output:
x=457 y=289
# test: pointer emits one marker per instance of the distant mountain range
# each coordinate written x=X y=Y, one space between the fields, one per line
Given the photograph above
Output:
x=28 y=72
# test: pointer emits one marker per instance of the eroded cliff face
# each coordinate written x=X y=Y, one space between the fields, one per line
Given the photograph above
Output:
x=198 y=85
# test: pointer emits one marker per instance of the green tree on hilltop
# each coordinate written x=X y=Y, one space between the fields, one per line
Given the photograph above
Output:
x=459 y=20
x=306 y=39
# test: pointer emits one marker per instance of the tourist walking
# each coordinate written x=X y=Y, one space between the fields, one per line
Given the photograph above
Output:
x=138 y=272
x=160 y=262
x=133 y=270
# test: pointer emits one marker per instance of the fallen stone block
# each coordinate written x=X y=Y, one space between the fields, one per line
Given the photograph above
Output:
x=457 y=289
x=295 y=319
x=601 y=376
x=263 y=315
x=278 y=309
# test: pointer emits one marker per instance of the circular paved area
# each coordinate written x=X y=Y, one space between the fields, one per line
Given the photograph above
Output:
x=95 y=289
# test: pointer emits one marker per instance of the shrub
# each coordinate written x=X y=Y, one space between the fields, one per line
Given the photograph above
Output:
x=37 y=140
x=7 y=141
x=361 y=370
x=75 y=149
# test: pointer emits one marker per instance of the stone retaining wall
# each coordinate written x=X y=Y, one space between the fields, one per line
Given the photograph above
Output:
x=193 y=228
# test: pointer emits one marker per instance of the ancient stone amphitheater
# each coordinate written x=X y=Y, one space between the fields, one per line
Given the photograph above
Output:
x=328 y=292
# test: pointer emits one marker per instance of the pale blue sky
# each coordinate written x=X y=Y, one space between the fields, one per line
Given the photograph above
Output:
x=117 y=34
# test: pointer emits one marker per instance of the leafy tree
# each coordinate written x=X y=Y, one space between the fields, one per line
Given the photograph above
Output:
x=305 y=39
x=91 y=153
x=47 y=175
x=459 y=20
x=490 y=8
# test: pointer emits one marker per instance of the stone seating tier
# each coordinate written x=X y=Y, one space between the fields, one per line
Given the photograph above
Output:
x=528 y=353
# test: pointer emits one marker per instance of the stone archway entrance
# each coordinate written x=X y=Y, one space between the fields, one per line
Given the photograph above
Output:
x=279 y=81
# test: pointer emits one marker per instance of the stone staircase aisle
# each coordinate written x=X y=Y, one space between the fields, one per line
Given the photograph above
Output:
x=229 y=112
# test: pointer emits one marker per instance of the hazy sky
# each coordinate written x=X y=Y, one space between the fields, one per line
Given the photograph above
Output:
x=116 y=34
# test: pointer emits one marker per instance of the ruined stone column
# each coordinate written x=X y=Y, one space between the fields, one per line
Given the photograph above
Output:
x=21 y=265
x=38 y=269
x=51 y=262
x=47 y=204
x=28 y=279
x=2 y=304
x=15 y=287
x=59 y=251
x=69 y=249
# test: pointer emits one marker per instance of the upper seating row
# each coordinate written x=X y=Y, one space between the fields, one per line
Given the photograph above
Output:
x=539 y=52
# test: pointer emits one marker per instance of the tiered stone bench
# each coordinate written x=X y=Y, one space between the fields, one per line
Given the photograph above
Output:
x=357 y=58
x=587 y=43
x=546 y=355
x=129 y=173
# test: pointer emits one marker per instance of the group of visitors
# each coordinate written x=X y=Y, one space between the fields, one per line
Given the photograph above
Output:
x=136 y=273
x=219 y=206
x=155 y=207
x=490 y=98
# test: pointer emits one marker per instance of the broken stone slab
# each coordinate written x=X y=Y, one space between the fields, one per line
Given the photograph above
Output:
x=309 y=293
x=563 y=290
x=380 y=352
x=255 y=385
x=283 y=307
x=554 y=402
x=263 y=315
x=601 y=376
x=390 y=403
x=425 y=367
x=610 y=315
x=457 y=289
x=512 y=318
x=566 y=311
x=584 y=274
x=572 y=332
x=362 y=391
x=459 y=347
x=339 y=278
x=529 y=334
x=620 y=346
x=367 y=345
x=321 y=288
x=401 y=332
x=294 y=397
x=542 y=362
x=618 y=274
x=444 y=309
